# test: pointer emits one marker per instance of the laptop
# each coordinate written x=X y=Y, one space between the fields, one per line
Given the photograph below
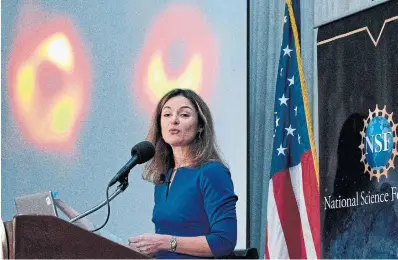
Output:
x=36 y=204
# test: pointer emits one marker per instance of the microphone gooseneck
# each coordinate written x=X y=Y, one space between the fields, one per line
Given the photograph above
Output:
x=140 y=153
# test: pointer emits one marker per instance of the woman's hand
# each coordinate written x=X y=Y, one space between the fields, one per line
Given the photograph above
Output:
x=149 y=244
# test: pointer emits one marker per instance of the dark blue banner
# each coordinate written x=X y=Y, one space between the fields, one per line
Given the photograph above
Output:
x=358 y=140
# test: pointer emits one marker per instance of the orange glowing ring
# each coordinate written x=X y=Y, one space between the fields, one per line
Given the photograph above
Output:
x=197 y=70
x=49 y=81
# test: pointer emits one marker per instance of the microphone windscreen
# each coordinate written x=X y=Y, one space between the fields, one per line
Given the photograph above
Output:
x=144 y=151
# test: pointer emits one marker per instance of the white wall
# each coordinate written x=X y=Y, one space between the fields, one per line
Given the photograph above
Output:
x=329 y=10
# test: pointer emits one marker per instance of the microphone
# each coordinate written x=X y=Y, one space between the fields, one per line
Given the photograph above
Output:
x=141 y=153
x=167 y=182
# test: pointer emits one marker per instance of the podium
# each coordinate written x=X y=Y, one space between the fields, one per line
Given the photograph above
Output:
x=33 y=236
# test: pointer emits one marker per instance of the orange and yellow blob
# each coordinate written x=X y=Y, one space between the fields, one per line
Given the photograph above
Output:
x=49 y=83
x=198 y=67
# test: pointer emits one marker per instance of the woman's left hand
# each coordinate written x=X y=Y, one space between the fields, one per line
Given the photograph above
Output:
x=148 y=244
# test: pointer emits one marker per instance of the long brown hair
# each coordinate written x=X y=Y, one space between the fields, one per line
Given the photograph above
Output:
x=203 y=148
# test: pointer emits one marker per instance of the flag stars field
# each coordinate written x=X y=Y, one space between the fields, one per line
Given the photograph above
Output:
x=283 y=100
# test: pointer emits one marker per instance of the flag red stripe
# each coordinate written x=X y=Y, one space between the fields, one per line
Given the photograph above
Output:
x=266 y=244
x=311 y=195
x=289 y=214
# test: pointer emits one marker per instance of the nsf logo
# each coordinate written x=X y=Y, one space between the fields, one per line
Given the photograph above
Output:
x=379 y=143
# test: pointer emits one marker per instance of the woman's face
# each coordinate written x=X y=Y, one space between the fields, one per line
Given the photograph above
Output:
x=179 y=122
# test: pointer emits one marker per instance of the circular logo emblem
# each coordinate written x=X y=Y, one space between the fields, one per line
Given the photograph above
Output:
x=378 y=143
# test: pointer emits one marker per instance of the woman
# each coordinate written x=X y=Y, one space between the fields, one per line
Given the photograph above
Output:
x=194 y=212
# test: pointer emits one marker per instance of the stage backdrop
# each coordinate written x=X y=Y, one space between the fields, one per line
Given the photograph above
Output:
x=358 y=118
x=79 y=83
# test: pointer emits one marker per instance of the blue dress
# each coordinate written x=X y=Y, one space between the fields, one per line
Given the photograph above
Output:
x=200 y=202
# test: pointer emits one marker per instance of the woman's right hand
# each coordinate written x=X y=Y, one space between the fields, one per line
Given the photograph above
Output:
x=149 y=244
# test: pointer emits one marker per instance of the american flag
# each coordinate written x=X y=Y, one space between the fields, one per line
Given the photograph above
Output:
x=293 y=224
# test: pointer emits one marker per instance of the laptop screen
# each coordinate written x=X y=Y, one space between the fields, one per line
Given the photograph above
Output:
x=36 y=204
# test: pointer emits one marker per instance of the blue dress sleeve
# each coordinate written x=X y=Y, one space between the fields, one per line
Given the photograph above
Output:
x=220 y=205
